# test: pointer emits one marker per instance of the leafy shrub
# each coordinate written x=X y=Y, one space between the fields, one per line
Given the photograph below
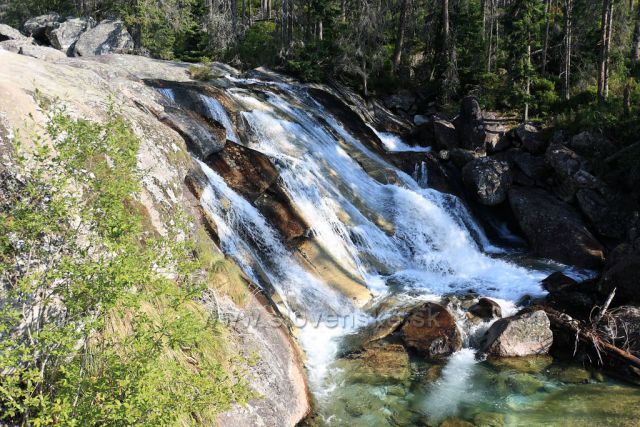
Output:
x=94 y=330
x=200 y=72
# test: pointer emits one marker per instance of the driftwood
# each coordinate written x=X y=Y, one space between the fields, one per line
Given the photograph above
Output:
x=599 y=351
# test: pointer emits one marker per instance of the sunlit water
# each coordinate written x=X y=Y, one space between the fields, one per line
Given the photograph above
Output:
x=396 y=236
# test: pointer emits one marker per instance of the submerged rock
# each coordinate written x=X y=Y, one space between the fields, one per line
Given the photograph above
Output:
x=520 y=335
x=533 y=364
x=553 y=229
x=387 y=361
x=432 y=332
x=488 y=180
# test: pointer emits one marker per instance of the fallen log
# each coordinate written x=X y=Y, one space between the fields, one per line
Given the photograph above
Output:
x=589 y=342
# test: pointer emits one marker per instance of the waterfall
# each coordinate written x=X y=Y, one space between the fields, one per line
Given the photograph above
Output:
x=376 y=223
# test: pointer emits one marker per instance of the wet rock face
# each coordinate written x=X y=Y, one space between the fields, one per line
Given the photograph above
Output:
x=554 y=229
x=488 y=180
x=520 y=335
x=247 y=171
x=106 y=37
x=432 y=332
x=202 y=137
x=486 y=309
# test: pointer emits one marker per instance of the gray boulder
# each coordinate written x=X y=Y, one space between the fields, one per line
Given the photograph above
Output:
x=521 y=335
x=27 y=48
x=40 y=26
x=68 y=33
x=487 y=179
x=592 y=145
x=530 y=139
x=106 y=37
x=554 y=229
x=9 y=33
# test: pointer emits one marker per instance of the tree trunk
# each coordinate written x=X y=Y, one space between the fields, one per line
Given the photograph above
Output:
x=568 y=24
x=545 y=47
x=234 y=17
x=605 y=35
x=528 y=83
x=402 y=22
x=320 y=35
x=635 y=48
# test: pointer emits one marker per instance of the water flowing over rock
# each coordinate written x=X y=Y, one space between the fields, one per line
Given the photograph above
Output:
x=554 y=229
x=432 y=332
x=106 y=37
x=520 y=335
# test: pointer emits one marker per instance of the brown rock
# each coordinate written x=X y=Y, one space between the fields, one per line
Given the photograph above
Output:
x=247 y=171
x=432 y=332
x=486 y=309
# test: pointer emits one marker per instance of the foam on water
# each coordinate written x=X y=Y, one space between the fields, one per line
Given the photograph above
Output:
x=454 y=387
x=393 y=143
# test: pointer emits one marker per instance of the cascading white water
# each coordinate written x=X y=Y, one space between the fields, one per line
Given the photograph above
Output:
x=384 y=232
x=395 y=233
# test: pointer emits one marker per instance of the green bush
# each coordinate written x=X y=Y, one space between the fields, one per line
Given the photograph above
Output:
x=200 y=72
x=100 y=325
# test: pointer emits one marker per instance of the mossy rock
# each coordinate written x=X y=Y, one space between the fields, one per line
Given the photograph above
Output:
x=525 y=384
x=534 y=364
x=455 y=422
x=489 y=419
x=570 y=374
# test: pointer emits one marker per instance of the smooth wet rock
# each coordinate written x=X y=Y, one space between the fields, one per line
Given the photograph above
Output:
x=486 y=309
x=557 y=281
x=203 y=138
x=570 y=374
x=65 y=36
x=278 y=209
x=106 y=37
x=10 y=33
x=524 y=383
x=432 y=332
x=533 y=364
x=488 y=180
x=519 y=335
x=553 y=228
x=389 y=361
x=38 y=27
x=489 y=419
x=455 y=422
